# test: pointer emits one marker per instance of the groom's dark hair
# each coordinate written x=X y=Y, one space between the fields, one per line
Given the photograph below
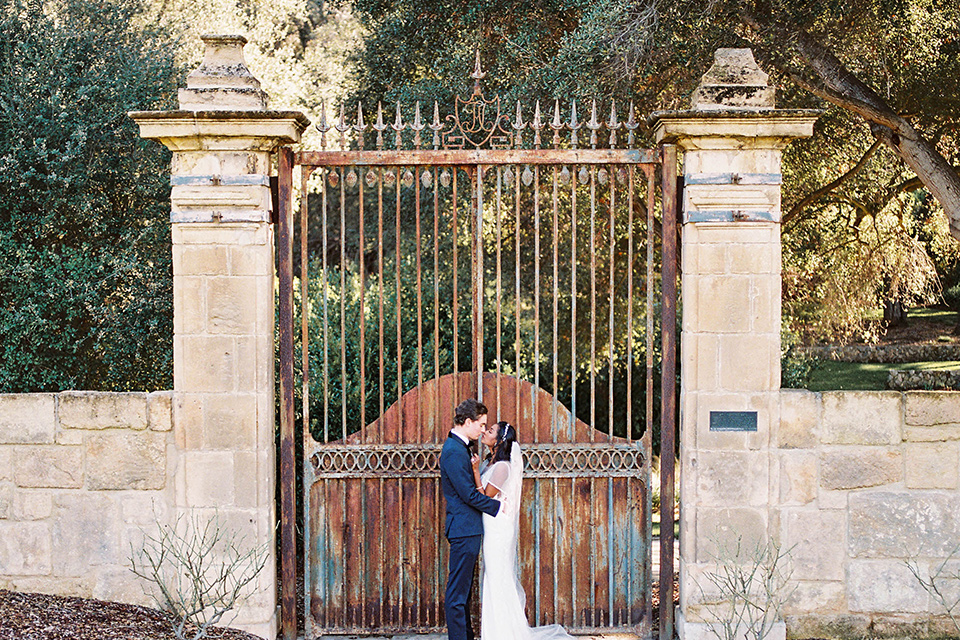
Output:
x=469 y=409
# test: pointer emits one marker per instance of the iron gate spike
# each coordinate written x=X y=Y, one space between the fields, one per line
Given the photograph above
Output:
x=323 y=126
x=536 y=125
x=398 y=126
x=594 y=125
x=435 y=126
x=574 y=126
x=556 y=125
x=613 y=124
x=631 y=124
x=478 y=75
x=342 y=127
x=360 y=126
x=379 y=126
x=417 y=125
x=518 y=125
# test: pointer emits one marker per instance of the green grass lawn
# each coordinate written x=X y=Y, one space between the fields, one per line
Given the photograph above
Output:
x=870 y=376
x=936 y=314
x=865 y=376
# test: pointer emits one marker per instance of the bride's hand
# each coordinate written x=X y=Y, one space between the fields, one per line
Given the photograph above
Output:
x=475 y=461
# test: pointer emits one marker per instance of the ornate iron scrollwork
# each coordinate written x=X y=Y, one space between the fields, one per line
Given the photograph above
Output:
x=470 y=122
x=423 y=461
x=479 y=122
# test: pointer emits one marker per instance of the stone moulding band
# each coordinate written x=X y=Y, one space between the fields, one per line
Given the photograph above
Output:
x=733 y=178
x=729 y=216
x=423 y=461
x=205 y=215
x=226 y=180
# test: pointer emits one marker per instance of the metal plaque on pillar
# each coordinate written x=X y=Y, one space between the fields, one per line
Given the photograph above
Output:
x=733 y=421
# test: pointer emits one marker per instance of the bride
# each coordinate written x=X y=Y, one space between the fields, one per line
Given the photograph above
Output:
x=501 y=606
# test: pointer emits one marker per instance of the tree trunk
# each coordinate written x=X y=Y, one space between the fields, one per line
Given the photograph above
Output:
x=837 y=84
x=894 y=313
x=933 y=169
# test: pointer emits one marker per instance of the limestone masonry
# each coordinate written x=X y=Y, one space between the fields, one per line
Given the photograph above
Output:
x=82 y=475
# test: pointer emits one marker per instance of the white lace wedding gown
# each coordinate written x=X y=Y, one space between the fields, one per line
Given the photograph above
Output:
x=501 y=606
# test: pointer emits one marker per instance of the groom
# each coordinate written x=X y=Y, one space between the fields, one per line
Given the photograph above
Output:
x=464 y=525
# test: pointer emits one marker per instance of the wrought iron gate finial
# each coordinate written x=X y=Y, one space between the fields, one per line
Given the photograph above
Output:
x=380 y=126
x=476 y=121
x=323 y=126
x=631 y=125
x=477 y=75
x=398 y=125
x=594 y=124
x=574 y=126
x=556 y=125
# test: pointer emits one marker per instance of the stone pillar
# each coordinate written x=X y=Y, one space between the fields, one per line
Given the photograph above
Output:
x=731 y=142
x=222 y=139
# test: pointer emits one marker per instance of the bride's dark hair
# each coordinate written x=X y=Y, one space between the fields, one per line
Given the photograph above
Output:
x=506 y=436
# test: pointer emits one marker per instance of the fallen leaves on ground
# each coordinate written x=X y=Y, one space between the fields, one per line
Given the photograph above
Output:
x=37 y=616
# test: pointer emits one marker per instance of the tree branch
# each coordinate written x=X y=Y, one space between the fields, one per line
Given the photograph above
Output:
x=861 y=210
x=843 y=88
x=827 y=188
x=838 y=85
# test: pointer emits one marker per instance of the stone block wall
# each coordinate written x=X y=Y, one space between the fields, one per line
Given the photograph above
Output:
x=909 y=379
x=82 y=476
x=884 y=352
x=862 y=483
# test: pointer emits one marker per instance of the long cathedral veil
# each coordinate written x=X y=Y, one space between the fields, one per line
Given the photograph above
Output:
x=503 y=600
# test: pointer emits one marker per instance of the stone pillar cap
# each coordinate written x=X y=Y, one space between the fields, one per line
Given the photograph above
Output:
x=733 y=105
x=222 y=130
x=734 y=82
x=223 y=81
x=769 y=128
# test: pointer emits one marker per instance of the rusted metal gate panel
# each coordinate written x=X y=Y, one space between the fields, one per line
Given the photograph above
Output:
x=475 y=264
x=384 y=568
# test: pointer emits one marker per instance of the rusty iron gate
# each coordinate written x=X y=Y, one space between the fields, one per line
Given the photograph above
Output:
x=478 y=255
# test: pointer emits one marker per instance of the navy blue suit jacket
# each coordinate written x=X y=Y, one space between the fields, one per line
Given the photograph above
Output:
x=464 y=502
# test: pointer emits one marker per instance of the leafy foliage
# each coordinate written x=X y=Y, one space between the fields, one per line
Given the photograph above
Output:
x=952 y=297
x=847 y=248
x=85 y=268
x=796 y=367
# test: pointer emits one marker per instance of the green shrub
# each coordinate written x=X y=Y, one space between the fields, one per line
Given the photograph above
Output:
x=952 y=297
x=796 y=367
x=85 y=264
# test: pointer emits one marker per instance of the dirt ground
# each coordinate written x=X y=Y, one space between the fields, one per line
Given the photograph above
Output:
x=921 y=331
x=34 y=616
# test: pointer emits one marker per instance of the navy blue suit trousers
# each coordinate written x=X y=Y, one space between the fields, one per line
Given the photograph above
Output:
x=464 y=530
